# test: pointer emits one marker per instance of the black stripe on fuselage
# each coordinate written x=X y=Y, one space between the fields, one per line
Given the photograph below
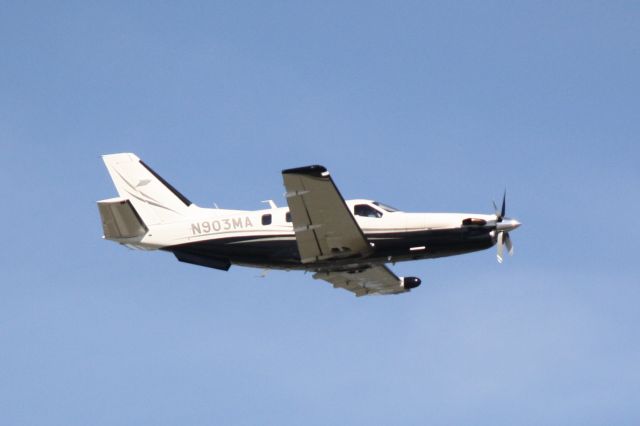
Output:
x=281 y=251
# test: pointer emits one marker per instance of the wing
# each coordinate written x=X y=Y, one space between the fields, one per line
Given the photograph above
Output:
x=376 y=279
x=324 y=227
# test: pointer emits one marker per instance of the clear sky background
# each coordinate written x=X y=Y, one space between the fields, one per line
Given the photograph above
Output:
x=425 y=106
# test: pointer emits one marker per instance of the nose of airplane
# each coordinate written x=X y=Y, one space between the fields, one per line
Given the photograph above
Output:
x=508 y=225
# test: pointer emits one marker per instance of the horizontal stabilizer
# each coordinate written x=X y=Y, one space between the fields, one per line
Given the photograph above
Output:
x=120 y=221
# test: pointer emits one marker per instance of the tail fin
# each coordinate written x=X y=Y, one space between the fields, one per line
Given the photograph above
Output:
x=153 y=198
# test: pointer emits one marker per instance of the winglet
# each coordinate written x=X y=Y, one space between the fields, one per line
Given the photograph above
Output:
x=315 y=170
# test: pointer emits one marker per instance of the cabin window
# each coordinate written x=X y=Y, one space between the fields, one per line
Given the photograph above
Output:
x=266 y=219
x=366 y=210
x=287 y=217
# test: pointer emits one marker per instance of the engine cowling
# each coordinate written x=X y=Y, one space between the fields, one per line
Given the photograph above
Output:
x=411 y=282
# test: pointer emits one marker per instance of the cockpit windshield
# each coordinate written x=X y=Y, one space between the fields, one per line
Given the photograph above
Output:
x=385 y=207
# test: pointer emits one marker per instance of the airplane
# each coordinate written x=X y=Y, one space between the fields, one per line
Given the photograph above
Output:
x=344 y=242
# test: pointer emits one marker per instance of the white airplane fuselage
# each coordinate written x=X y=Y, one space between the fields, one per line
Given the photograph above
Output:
x=240 y=236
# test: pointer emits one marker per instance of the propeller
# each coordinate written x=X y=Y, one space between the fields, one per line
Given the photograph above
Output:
x=500 y=214
x=503 y=226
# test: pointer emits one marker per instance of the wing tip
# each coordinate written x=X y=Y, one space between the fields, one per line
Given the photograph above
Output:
x=314 y=170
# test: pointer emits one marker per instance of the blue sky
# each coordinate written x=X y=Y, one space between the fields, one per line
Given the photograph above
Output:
x=428 y=106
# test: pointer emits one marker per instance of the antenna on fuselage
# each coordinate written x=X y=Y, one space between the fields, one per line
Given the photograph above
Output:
x=271 y=203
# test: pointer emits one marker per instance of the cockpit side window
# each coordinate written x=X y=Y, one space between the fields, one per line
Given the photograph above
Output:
x=366 y=211
x=385 y=207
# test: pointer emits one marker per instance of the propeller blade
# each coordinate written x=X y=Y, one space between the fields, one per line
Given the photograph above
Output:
x=508 y=243
x=495 y=209
x=499 y=244
x=504 y=205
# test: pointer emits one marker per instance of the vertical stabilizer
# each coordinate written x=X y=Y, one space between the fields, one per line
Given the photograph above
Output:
x=155 y=200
